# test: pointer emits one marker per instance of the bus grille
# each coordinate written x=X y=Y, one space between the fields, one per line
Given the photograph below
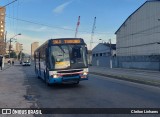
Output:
x=71 y=75
x=70 y=71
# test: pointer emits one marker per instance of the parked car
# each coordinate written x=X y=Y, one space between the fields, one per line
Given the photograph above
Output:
x=26 y=63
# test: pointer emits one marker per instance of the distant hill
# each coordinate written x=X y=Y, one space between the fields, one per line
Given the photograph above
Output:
x=27 y=55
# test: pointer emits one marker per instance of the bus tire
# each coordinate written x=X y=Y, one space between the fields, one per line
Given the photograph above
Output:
x=46 y=81
x=37 y=74
x=76 y=83
x=48 y=84
x=38 y=77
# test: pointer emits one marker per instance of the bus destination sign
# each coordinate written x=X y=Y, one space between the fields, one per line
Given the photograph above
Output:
x=71 y=41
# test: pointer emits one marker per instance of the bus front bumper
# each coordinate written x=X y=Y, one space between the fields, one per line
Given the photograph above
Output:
x=60 y=80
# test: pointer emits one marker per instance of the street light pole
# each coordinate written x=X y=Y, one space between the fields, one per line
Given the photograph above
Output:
x=9 y=48
x=21 y=52
x=10 y=40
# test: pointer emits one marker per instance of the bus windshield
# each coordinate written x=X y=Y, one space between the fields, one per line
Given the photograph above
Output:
x=68 y=56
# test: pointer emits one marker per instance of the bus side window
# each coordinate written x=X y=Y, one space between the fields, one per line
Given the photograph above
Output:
x=47 y=57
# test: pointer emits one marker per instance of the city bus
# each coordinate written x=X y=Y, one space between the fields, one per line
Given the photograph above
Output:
x=62 y=60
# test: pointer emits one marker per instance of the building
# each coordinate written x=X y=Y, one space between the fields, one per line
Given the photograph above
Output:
x=18 y=48
x=102 y=54
x=2 y=30
x=34 y=46
x=138 y=38
x=14 y=47
x=7 y=47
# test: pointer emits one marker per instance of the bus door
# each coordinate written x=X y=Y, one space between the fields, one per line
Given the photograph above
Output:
x=47 y=59
x=39 y=61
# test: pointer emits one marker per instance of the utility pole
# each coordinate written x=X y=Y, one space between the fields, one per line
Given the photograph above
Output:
x=5 y=38
x=10 y=40
x=78 y=23
x=21 y=47
x=110 y=53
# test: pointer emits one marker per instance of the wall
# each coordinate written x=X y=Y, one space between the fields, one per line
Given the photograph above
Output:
x=140 y=33
x=103 y=61
x=103 y=58
x=138 y=62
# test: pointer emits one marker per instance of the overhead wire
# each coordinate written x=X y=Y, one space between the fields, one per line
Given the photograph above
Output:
x=17 y=15
x=13 y=15
x=8 y=4
x=37 y=23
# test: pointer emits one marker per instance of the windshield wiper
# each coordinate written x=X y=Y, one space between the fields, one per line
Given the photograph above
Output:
x=61 y=49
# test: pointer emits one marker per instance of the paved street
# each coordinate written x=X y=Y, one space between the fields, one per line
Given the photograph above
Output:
x=97 y=92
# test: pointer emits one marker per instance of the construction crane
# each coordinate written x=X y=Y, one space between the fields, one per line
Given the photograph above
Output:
x=92 y=34
x=91 y=41
x=78 y=23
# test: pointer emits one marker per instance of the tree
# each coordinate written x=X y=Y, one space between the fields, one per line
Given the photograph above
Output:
x=21 y=55
x=13 y=55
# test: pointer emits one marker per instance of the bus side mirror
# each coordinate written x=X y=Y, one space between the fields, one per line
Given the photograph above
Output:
x=86 y=50
x=76 y=52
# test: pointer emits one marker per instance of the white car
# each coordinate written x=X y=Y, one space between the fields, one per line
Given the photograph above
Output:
x=26 y=63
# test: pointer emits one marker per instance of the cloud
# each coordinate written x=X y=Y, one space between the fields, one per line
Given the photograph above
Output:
x=60 y=8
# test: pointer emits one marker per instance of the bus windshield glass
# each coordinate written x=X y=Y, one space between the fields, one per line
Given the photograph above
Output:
x=68 y=56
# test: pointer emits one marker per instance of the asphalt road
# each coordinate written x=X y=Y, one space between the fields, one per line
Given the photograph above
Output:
x=97 y=92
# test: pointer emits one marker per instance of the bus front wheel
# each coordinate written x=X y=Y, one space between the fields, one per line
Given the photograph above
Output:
x=47 y=81
x=76 y=83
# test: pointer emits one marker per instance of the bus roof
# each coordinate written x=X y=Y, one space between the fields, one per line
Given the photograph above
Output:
x=59 y=41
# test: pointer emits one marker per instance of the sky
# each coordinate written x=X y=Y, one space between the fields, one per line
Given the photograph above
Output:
x=40 y=20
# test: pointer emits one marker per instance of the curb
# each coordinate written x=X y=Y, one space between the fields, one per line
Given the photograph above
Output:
x=130 y=79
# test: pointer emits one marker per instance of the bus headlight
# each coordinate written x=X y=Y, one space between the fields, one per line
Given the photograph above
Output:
x=55 y=76
x=85 y=73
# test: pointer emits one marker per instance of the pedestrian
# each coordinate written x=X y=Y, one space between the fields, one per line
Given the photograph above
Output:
x=12 y=62
x=1 y=62
x=9 y=61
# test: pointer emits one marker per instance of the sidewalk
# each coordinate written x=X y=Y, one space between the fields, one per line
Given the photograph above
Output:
x=133 y=75
x=6 y=66
x=13 y=90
